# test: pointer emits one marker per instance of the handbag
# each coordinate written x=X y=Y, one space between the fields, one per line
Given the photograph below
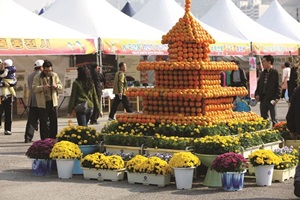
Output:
x=81 y=107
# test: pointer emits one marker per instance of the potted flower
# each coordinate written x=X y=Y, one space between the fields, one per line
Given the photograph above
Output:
x=40 y=151
x=233 y=167
x=148 y=170
x=87 y=138
x=286 y=135
x=263 y=161
x=81 y=135
x=184 y=164
x=288 y=162
x=65 y=152
x=101 y=167
x=208 y=148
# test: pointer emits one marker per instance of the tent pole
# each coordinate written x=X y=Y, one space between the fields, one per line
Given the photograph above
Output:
x=99 y=62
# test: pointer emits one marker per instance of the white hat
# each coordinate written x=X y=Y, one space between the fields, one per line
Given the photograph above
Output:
x=0 y=61
x=38 y=63
x=8 y=62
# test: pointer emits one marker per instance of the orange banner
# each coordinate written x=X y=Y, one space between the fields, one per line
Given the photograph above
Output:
x=229 y=49
x=275 y=49
x=38 y=46
x=133 y=47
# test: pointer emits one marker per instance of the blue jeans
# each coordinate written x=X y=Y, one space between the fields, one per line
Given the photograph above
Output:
x=84 y=117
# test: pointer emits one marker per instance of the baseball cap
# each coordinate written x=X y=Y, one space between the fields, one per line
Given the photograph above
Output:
x=39 y=63
x=8 y=62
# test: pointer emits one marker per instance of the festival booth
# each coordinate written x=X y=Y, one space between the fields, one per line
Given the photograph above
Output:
x=227 y=17
x=121 y=38
x=167 y=14
x=30 y=37
x=280 y=21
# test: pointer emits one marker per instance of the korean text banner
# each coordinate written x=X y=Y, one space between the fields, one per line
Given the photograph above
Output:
x=275 y=49
x=133 y=47
x=38 y=46
x=229 y=49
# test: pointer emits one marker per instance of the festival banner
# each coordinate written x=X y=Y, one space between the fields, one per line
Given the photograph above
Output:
x=275 y=49
x=133 y=47
x=41 y=46
x=252 y=76
x=229 y=49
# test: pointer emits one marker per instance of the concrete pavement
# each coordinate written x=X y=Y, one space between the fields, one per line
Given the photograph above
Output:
x=17 y=181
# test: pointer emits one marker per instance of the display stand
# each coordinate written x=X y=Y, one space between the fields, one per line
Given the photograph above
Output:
x=24 y=106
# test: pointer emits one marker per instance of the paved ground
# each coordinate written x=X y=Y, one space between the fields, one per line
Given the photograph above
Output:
x=17 y=181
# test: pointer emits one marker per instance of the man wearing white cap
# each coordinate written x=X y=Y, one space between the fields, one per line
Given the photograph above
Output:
x=33 y=115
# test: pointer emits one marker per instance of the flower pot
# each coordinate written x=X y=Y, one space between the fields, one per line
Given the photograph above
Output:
x=247 y=151
x=149 y=179
x=150 y=151
x=42 y=167
x=283 y=174
x=85 y=149
x=264 y=175
x=184 y=178
x=212 y=177
x=103 y=174
x=294 y=143
x=65 y=168
x=232 y=181
x=272 y=145
x=125 y=149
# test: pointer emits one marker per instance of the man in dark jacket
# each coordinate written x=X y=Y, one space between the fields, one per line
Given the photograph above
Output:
x=293 y=124
x=238 y=77
x=99 y=82
x=268 y=89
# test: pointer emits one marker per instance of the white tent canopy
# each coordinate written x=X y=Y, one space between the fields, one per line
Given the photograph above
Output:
x=227 y=17
x=101 y=19
x=280 y=21
x=167 y=14
x=24 y=35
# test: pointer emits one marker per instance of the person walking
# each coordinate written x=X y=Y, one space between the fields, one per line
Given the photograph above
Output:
x=286 y=70
x=292 y=83
x=268 y=89
x=293 y=119
x=7 y=100
x=99 y=81
x=83 y=90
x=33 y=115
x=46 y=86
x=119 y=89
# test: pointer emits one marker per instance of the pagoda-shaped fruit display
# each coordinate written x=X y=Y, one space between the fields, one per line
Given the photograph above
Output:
x=187 y=87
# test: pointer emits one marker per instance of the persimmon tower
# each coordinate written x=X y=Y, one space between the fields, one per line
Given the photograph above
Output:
x=187 y=86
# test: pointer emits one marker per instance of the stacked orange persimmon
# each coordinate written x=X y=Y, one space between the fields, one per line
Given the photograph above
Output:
x=187 y=87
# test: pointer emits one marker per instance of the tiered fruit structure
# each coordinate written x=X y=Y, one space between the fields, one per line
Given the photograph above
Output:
x=187 y=87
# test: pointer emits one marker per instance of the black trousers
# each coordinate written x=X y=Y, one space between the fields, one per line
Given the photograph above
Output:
x=48 y=115
x=265 y=107
x=7 y=109
x=95 y=114
x=32 y=123
x=115 y=104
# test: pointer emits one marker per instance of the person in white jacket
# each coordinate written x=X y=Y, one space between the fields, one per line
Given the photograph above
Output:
x=286 y=71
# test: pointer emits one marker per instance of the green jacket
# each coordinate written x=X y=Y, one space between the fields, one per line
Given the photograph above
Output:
x=78 y=95
x=120 y=83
